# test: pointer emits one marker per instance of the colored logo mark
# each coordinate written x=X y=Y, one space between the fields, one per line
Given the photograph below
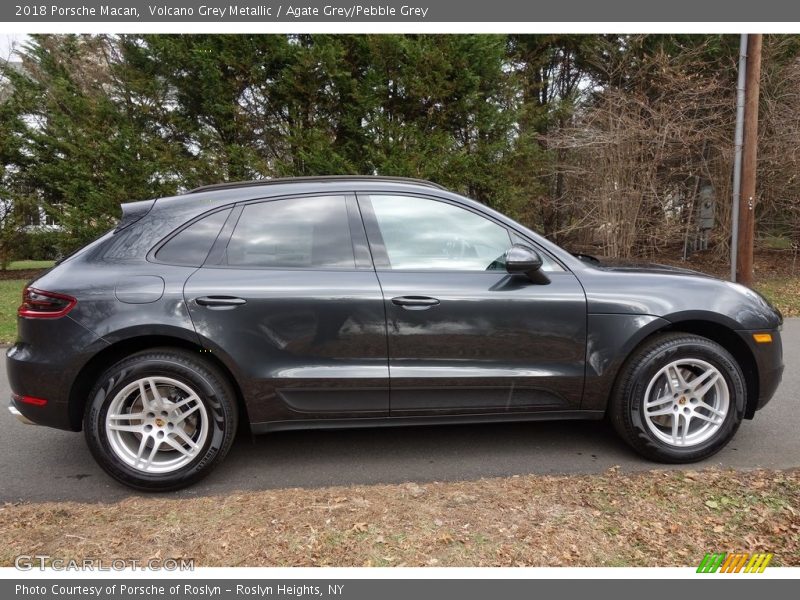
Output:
x=720 y=562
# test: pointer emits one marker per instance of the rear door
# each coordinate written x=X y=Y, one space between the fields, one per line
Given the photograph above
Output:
x=465 y=337
x=289 y=295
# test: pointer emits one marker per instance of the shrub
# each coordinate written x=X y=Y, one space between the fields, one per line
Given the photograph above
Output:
x=39 y=245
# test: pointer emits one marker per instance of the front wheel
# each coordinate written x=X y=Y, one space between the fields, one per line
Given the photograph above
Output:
x=160 y=420
x=679 y=398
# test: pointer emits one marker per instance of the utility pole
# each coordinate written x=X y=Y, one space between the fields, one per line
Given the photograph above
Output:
x=738 y=137
x=744 y=255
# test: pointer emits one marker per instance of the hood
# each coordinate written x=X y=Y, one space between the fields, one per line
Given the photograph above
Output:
x=627 y=265
x=649 y=268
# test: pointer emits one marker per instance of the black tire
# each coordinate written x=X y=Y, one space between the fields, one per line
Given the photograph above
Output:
x=211 y=386
x=628 y=397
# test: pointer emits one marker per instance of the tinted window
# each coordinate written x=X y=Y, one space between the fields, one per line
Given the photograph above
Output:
x=425 y=234
x=135 y=241
x=293 y=233
x=190 y=246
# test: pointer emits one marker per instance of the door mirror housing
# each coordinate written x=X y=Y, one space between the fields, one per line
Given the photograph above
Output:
x=524 y=260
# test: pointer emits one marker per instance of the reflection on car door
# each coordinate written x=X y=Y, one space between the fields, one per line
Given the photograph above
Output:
x=290 y=295
x=464 y=335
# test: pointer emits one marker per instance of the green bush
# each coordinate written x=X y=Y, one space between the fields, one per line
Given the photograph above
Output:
x=39 y=245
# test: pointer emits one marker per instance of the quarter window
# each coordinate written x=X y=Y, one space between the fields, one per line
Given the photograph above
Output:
x=191 y=246
x=419 y=233
x=293 y=233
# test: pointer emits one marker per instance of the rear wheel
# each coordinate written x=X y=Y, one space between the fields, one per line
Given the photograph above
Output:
x=679 y=398
x=160 y=419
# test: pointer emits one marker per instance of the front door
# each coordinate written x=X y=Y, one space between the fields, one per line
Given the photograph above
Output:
x=465 y=337
x=290 y=296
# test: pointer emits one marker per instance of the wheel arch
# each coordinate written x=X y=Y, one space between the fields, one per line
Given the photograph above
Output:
x=730 y=340
x=614 y=338
x=119 y=349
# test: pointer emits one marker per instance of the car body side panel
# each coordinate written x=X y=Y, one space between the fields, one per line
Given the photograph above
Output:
x=496 y=342
x=307 y=343
x=162 y=311
x=611 y=338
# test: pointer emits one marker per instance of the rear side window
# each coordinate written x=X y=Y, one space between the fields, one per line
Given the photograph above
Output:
x=190 y=246
x=296 y=233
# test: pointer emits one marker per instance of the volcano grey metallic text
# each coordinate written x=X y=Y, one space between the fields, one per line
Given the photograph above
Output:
x=219 y=12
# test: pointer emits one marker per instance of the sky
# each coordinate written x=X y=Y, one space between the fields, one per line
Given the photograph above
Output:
x=9 y=40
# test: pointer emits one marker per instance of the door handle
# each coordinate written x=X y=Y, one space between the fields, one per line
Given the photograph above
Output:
x=220 y=301
x=415 y=302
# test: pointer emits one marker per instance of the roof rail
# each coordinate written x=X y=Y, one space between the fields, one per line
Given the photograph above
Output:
x=310 y=179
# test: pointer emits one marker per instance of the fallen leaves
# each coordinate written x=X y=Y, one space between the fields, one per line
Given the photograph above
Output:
x=784 y=293
x=617 y=518
x=445 y=538
x=414 y=490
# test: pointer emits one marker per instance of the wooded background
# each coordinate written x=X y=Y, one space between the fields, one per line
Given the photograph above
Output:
x=600 y=142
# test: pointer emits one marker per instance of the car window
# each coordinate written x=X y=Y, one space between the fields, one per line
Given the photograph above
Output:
x=293 y=233
x=419 y=233
x=190 y=246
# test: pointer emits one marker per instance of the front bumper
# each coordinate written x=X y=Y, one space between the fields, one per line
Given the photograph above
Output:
x=769 y=364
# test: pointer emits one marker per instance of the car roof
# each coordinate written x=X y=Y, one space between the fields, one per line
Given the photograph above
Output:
x=315 y=179
x=222 y=194
x=230 y=193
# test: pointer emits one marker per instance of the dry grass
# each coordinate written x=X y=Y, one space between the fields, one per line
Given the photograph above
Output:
x=783 y=293
x=657 y=518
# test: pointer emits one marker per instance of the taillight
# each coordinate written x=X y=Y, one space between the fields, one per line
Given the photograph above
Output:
x=38 y=304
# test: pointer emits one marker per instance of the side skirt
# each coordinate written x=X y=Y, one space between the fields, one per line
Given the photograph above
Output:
x=367 y=422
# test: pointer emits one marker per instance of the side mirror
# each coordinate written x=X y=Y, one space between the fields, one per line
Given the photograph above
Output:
x=524 y=260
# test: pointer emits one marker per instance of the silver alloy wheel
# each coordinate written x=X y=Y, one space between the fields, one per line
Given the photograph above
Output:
x=157 y=425
x=686 y=402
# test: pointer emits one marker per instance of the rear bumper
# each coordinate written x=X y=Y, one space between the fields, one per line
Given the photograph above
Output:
x=769 y=363
x=30 y=377
x=20 y=417
x=45 y=367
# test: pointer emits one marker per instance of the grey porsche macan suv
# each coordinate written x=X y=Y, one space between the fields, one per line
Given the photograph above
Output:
x=366 y=301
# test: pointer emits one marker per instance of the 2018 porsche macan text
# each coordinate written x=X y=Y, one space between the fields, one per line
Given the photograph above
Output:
x=370 y=301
